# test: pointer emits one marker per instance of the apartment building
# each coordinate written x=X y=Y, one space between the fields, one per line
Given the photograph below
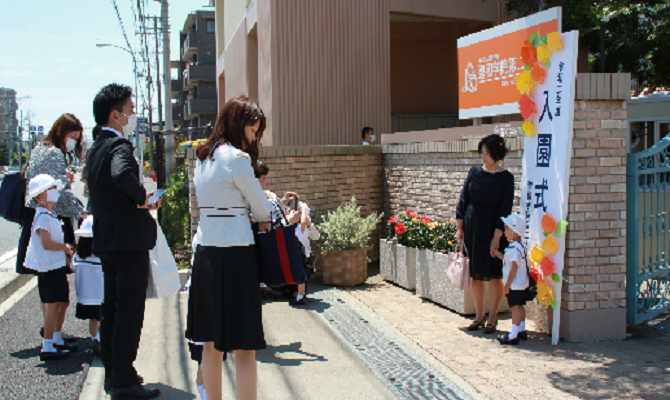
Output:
x=322 y=69
x=8 y=121
x=194 y=89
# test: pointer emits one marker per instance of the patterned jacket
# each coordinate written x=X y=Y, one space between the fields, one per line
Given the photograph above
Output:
x=45 y=159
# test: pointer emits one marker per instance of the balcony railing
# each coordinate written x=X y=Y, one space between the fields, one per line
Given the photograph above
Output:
x=198 y=72
x=190 y=44
x=195 y=107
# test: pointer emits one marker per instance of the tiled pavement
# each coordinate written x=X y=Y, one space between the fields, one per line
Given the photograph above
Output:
x=637 y=368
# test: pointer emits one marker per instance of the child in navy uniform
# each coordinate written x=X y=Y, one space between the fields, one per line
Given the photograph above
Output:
x=515 y=278
x=89 y=281
x=49 y=256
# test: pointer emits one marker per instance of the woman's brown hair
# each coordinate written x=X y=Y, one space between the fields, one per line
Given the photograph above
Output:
x=238 y=113
x=65 y=124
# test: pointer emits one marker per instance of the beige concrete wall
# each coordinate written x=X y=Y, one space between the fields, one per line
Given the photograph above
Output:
x=235 y=64
x=219 y=16
x=234 y=12
x=333 y=60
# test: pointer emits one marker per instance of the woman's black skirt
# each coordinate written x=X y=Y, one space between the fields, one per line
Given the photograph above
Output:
x=88 y=312
x=224 y=306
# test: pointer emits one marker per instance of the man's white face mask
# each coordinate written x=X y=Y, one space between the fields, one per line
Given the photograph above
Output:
x=372 y=138
x=129 y=128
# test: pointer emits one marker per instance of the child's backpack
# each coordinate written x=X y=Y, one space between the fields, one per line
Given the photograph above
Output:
x=531 y=292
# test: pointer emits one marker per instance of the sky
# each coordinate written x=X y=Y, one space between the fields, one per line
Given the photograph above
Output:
x=48 y=52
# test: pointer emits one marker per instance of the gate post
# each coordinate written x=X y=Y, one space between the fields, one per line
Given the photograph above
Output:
x=632 y=237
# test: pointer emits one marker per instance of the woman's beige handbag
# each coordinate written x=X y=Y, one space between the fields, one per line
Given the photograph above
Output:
x=458 y=269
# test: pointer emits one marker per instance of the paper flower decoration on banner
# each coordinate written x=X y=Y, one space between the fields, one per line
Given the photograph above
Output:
x=538 y=73
x=550 y=245
x=528 y=128
x=527 y=106
x=547 y=266
x=535 y=54
x=561 y=226
x=553 y=41
x=548 y=223
x=524 y=82
x=545 y=294
x=537 y=254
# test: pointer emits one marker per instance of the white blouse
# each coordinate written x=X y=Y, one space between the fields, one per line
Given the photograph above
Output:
x=227 y=190
x=88 y=280
x=38 y=258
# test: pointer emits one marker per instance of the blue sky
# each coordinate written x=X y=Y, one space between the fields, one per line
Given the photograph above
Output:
x=49 y=53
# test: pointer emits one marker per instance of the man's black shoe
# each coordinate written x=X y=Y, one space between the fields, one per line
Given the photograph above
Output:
x=136 y=392
x=53 y=355
x=66 y=346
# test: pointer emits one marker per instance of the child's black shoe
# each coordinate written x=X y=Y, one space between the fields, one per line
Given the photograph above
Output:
x=504 y=339
x=523 y=335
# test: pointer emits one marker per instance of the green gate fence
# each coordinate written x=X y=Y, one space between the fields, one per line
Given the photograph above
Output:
x=647 y=262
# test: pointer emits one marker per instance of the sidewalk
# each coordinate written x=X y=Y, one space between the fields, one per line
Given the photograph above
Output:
x=304 y=358
x=637 y=368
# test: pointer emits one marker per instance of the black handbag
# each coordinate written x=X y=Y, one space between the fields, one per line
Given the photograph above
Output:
x=12 y=197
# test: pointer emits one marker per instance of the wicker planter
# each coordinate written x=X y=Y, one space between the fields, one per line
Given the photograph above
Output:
x=398 y=263
x=345 y=268
x=432 y=284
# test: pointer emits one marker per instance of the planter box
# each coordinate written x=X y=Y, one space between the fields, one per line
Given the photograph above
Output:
x=345 y=268
x=432 y=284
x=398 y=263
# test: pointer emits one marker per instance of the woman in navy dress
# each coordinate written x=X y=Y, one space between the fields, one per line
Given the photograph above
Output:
x=487 y=195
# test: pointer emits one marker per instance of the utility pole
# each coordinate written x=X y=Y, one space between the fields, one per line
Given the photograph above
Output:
x=158 y=73
x=21 y=143
x=167 y=81
x=151 y=132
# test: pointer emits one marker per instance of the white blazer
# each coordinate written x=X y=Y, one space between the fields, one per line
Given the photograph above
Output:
x=227 y=190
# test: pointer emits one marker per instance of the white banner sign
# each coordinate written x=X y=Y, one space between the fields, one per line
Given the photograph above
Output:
x=546 y=172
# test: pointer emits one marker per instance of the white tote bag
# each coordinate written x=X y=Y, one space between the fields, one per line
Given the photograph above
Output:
x=164 y=276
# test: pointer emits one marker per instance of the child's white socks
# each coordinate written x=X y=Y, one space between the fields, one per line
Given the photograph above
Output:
x=299 y=297
x=522 y=326
x=48 y=345
x=514 y=333
x=58 y=338
x=202 y=392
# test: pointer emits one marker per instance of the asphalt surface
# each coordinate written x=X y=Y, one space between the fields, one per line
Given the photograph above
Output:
x=22 y=374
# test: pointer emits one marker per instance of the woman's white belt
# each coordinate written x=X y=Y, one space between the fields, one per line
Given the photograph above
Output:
x=223 y=212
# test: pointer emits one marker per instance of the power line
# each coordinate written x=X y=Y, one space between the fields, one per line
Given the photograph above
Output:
x=123 y=29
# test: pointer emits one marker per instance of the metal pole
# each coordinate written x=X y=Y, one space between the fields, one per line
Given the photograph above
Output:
x=137 y=129
x=151 y=131
x=20 y=143
x=158 y=74
x=602 y=45
x=167 y=80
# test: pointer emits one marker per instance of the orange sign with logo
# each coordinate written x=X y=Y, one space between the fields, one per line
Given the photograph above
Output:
x=489 y=62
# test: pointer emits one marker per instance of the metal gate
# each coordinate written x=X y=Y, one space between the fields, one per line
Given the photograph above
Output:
x=647 y=231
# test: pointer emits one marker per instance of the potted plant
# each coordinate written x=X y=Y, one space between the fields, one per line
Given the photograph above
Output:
x=344 y=244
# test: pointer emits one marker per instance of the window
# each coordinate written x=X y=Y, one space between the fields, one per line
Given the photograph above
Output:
x=211 y=28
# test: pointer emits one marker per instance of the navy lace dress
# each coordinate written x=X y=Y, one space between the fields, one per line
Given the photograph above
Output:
x=484 y=199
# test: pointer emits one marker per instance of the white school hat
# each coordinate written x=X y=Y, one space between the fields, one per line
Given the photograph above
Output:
x=86 y=228
x=41 y=183
x=516 y=223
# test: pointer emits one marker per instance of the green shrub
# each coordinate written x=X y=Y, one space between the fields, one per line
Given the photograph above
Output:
x=344 y=229
x=176 y=219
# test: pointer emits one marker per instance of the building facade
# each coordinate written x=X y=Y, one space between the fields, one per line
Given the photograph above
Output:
x=322 y=70
x=194 y=89
x=8 y=121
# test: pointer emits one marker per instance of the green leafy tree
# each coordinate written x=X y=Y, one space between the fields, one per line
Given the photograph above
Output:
x=176 y=219
x=637 y=34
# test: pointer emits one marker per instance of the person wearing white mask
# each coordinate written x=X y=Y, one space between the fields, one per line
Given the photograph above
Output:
x=368 y=136
x=52 y=157
x=123 y=233
x=49 y=257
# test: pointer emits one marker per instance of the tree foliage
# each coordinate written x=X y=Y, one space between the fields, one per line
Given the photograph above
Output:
x=637 y=37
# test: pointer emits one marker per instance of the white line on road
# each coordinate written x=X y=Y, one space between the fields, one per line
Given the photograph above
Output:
x=8 y=255
x=18 y=295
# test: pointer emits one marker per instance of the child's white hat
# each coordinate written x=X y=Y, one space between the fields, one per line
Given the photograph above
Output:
x=86 y=228
x=41 y=183
x=516 y=223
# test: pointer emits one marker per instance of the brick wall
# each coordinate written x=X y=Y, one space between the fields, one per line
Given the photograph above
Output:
x=325 y=177
x=596 y=238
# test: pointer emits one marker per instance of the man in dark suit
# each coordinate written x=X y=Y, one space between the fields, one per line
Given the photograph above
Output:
x=123 y=233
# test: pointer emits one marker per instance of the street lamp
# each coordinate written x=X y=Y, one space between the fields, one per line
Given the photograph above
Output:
x=604 y=19
x=137 y=135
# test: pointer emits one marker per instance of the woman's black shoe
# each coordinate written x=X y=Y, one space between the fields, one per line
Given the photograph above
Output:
x=475 y=325
x=136 y=392
x=488 y=329
x=504 y=339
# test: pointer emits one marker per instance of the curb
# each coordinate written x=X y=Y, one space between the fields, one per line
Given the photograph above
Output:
x=10 y=282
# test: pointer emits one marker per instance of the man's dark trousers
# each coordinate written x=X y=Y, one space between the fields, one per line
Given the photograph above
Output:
x=126 y=278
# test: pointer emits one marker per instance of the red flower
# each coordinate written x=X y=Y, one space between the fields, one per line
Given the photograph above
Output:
x=538 y=73
x=425 y=219
x=393 y=220
x=410 y=214
x=528 y=54
x=527 y=107
x=400 y=229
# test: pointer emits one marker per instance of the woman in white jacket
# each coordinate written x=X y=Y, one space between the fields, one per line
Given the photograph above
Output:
x=224 y=309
